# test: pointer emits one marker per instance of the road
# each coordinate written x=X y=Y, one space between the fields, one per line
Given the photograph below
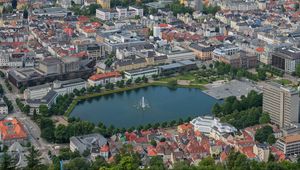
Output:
x=33 y=131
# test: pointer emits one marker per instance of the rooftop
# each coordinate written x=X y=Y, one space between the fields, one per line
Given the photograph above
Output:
x=12 y=129
x=104 y=75
x=291 y=138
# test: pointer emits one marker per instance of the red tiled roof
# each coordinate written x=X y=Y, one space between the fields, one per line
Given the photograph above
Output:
x=97 y=77
x=151 y=151
x=163 y=25
x=12 y=129
x=104 y=148
x=130 y=136
x=260 y=49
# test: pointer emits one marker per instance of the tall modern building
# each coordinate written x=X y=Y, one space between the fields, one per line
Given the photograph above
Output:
x=282 y=103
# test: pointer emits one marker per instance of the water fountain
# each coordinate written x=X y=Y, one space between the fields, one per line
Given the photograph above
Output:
x=143 y=104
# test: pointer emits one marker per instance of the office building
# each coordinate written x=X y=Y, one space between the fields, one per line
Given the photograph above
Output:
x=68 y=86
x=37 y=92
x=289 y=145
x=286 y=59
x=282 y=103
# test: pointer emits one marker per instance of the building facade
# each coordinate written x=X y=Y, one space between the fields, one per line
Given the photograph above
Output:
x=105 y=78
x=281 y=103
x=289 y=145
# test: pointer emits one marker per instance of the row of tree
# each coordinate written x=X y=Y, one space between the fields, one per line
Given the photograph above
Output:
x=62 y=133
x=230 y=104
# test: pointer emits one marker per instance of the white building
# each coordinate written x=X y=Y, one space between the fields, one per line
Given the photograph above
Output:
x=147 y=72
x=68 y=86
x=37 y=92
x=103 y=79
x=119 y=13
x=209 y=124
x=226 y=49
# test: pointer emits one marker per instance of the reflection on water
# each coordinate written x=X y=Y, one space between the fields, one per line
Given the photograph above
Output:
x=165 y=104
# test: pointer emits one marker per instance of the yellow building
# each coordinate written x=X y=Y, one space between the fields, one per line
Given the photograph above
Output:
x=105 y=4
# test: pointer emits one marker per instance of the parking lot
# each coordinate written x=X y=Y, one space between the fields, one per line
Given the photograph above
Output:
x=223 y=89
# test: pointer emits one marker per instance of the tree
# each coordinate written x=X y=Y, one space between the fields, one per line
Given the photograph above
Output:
x=43 y=110
x=216 y=109
x=25 y=14
x=34 y=115
x=128 y=82
x=265 y=118
x=7 y=163
x=77 y=164
x=153 y=143
x=211 y=66
x=33 y=159
x=14 y=4
x=203 y=67
x=129 y=163
x=297 y=6
x=271 y=139
x=297 y=72
x=26 y=109
x=263 y=133
x=156 y=162
x=137 y=80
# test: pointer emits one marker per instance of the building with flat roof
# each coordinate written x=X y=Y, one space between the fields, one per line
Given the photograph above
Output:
x=37 y=92
x=282 y=104
x=53 y=11
x=87 y=142
x=286 y=58
x=11 y=131
x=68 y=86
x=147 y=72
x=48 y=100
x=289 y=145
x=179 y=66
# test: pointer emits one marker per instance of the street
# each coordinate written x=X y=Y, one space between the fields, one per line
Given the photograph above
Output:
x=33 y=131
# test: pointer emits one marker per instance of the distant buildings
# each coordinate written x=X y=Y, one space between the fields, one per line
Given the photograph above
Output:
x=104 y=78
x=147 y=72
x=282 y=104
x=51 y=69
x=119 y=13
x=11 y=131
x=53 y=11
x=290 y=145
